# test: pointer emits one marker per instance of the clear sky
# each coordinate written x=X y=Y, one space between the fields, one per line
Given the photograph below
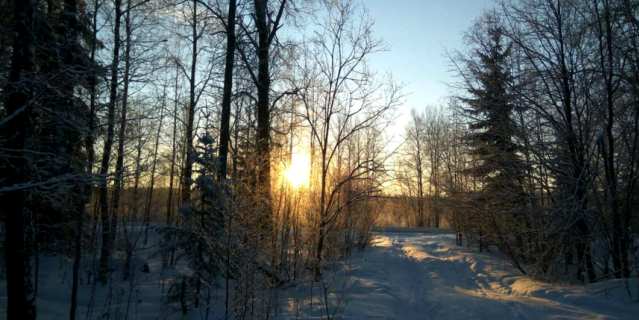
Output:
x=418 y=32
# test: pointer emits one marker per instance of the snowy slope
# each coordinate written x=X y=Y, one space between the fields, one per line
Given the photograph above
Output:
x=424 y=276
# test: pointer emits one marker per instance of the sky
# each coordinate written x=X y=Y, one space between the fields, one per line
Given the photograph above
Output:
x=418 y=32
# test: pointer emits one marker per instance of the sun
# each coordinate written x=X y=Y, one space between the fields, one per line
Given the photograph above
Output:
x=298 y=171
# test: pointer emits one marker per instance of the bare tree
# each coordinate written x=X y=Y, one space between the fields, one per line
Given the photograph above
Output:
x=225 y=133
x=340 y=99
x=266 y=29
x=414 y=151
x=106 y=153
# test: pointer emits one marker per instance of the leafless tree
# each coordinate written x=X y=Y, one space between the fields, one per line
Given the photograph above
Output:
x=341 y=99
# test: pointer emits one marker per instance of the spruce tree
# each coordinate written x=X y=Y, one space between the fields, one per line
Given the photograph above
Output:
x=199 y=237
x=492 y=130
x=492 y=135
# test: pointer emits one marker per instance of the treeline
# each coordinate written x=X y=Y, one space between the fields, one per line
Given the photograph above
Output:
x=537 y=155
x=137 y=129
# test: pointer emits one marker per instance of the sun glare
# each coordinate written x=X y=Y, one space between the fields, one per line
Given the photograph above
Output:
x=298 y=171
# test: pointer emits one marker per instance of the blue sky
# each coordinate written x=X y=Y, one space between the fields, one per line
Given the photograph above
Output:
x=418 y=32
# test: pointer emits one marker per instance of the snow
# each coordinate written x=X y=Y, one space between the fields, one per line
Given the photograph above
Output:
x=401 y=275
x=425 y=276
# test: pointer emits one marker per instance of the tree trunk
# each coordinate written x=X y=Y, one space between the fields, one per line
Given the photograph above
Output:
x=119 y=163
x=576 y=153
x=21 y=302
x=105 y=253
x=147 y=208
x=263 y=114
x=188 y=164
x=318 y=254
x=608 y=148
x=225 y=133
x=169 y=202
x=78 y=164
x=90 y=139
x=78 y=248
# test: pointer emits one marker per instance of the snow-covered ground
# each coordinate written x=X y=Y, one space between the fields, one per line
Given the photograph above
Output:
x=402 y=275
x=424 y=276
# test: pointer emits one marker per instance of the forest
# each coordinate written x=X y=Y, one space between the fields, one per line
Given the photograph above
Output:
x=232 y=159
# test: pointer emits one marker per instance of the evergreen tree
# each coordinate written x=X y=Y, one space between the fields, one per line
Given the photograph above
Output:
x=491 y=139
x=490 y=107
x=200 y=236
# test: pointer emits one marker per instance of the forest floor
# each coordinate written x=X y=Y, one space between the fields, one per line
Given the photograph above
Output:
x=424 y=276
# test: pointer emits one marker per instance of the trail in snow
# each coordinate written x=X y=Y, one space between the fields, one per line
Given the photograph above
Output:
x=424 y=276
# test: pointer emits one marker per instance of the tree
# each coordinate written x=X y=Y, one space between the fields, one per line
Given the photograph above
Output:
x=225 y=133
x=414 y=148
x=557 y=93
x=261 y=78
x=491 y=136
x=119 y=162
x=200 y=217
x=174 y=149
x=198 y=26
x=17 y=132
x=105 y=253
x=188 y=164
x=609 y=67
x=340 y=100
x=490 y=110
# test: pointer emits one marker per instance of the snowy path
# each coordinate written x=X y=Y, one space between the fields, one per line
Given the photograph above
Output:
x=423 y=276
